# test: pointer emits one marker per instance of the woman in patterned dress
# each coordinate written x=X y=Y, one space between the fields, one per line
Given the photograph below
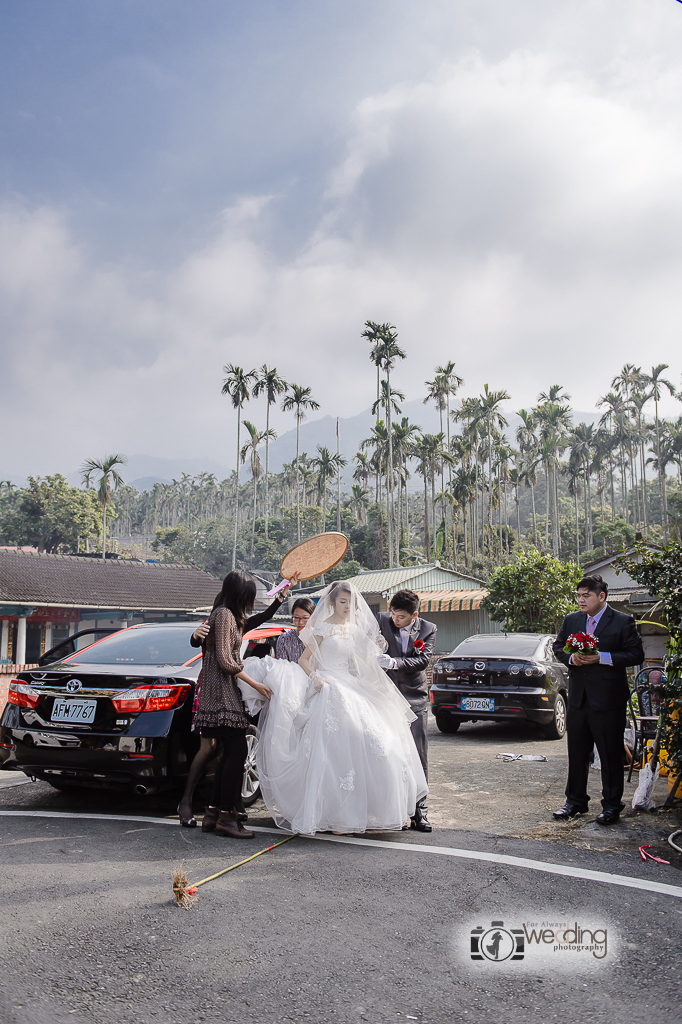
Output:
x=220 y=714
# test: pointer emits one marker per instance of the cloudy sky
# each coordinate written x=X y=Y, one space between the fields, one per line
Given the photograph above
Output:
x=186 y=184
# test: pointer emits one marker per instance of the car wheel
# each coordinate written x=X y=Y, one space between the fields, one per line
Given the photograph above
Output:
x=448 y=723
x=556 y=730
x=250 y=782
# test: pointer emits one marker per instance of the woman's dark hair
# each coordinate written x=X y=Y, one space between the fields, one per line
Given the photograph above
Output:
x=405 y=601
x=306 y=604
x=237 y=593
x=338 y=587
x=595 y=584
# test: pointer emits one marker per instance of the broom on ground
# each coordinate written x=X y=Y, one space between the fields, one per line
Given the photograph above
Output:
x=185 y=893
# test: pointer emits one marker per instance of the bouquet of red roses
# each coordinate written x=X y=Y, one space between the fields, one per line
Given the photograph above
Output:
x=582 y=643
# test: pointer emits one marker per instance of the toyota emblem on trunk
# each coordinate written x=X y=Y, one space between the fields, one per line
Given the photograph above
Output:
x=479 y=665
x=73 y=685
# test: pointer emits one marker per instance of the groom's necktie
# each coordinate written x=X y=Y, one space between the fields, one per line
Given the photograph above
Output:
x=591 y=624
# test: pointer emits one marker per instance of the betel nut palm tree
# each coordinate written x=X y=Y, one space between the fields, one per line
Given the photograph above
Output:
x=375 y=333
x=388 y=352
x=109 y=480
x=656 y=381
x=250 y=450
x=237 y=385
x=270 y=384
x=327 y=465
x=297 y=400
x=490 y=415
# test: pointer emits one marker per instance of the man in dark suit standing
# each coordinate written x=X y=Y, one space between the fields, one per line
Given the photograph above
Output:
x=597 y=698
x=410 y=646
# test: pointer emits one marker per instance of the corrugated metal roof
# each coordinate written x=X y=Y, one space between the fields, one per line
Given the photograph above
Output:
x=413 y=577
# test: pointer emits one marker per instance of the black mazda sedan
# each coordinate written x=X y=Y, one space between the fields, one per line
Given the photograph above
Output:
x=501 y=677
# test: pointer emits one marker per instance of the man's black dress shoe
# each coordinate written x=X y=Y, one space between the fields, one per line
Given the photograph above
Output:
x=420 y=821
x=608 y=817
x=566 y=812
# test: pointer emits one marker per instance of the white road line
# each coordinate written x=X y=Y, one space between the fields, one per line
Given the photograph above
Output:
x=567 y=870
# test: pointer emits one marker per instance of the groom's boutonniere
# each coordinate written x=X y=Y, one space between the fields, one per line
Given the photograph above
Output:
x=419 y=646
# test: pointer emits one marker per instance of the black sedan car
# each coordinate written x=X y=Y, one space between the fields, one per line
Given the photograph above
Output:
x=501 y=677
x=114 y=715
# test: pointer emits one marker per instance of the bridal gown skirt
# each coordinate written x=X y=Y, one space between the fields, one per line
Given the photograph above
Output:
x=338 y=760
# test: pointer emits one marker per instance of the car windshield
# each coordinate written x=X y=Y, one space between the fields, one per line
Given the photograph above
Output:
x=146 y=645
x=511 y=645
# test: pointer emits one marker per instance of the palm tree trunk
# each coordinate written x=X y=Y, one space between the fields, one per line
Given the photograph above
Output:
x=389 y=495
x=253 y=518
x=555 y=522
x=546 y=507
x=267 y=464
x=104 y=530
x=298 y=478
x=577 y=521
x=324 y=504
x=338 y=477
x=490 y=496
x=427 y=538
x=433 y=509
x=236 y=499
x=518 y=515
x=532 y=505
x=644 y=499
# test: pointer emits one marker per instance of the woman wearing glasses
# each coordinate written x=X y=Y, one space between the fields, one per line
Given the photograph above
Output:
x=289 y=646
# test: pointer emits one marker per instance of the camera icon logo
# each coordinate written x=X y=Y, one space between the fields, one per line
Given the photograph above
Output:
x=497 y=943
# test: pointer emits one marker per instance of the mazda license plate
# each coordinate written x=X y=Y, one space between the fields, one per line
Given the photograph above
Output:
x=478 y=704
x=82 y=711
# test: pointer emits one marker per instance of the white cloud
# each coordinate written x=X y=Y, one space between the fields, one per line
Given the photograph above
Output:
x=516 y=215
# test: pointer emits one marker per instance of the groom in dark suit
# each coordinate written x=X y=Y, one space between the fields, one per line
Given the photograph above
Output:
x=597 y=698
x=410 y=646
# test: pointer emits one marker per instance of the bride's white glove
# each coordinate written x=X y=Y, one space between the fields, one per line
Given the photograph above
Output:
x=317 y=680
x=386 y=661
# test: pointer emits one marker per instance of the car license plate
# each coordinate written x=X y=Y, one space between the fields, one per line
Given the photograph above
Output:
x=478 y=704
x=74 y=711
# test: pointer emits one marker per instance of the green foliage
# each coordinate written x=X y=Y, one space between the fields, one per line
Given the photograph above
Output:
x=661 y=572
x=532 y=594
x=49 y=515
x=346 y=568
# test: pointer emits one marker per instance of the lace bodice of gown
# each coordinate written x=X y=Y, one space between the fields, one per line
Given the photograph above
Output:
x=336 y=649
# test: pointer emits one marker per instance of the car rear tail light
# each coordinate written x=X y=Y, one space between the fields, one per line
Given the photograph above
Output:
x=533 y=670
x=23 y=695
x=131 y=700
x=164 y=698
x=151 y=698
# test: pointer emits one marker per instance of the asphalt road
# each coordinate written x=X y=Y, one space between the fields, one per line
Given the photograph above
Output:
x=329 y=931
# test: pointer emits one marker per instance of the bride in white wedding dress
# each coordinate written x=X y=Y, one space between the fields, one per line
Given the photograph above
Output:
x=335 y=751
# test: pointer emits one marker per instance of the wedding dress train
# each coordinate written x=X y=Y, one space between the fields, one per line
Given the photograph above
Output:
x=341 y=758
